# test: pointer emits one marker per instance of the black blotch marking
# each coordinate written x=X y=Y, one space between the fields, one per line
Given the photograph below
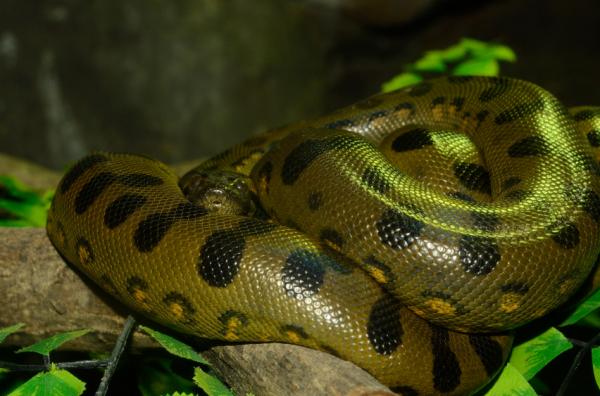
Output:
x=489 y=352
x=120 y=209
x=140 y=180
x=405 y=106
x=515 y=287
x=478 y=255
x=510 y=182
x=591 y=204
x=517 y=195
x=294 y=329
x=589 y=164
x=519 y=111
x=459 y=79
x=567 y=236
x=440 y=100
x=485 y=221
x=420 y=89
x=473 y=176
x=398 y=230
x=387 y=271
x=91 y=190
x=500 y=87
x=412 y=140
x=339 y=124
x=176 y=301
x=377 y=115
x=226 y=317
x=135 y=284
x=301 y=156
x=528 y=147
x=220 y=257
x=315 y=200
x=79 y=168
x=462 y=196
x=384 y=328
x=593 y=137
x=331 y=237
x=585 y=115
x=458 y=102
x=404 y=390
x=84 y=251
x=153 y=228
x=482 y=115
x=253 y=227
x=265 y=173
x=375 y=180
x=446 y=368
x=369 y=103
x=303 y=273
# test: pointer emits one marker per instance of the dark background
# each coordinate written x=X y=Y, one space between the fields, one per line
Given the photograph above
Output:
x=185 y=79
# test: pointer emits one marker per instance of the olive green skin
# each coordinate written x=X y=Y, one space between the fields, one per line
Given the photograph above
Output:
x=406 y=233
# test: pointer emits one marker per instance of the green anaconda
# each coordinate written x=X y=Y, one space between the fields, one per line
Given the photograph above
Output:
x=406 y=233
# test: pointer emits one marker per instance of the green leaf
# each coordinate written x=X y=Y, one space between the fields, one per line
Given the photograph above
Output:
x=590 y=304
x=55 y=382
x=531 y=356
x=453 y=53
x=180 y=394
x=477 y=67
x=155 y=376
x=209 y=384
x=174 y=346
x=401 y=81
x=6 y=331
x=511 y=382
x=22 y=206
x=44 y=347
x=596 y=364
x=473 y=45
x=503 y=53
x=431 y=62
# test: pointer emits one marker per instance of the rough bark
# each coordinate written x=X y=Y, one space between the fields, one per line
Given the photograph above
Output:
x=37 y=288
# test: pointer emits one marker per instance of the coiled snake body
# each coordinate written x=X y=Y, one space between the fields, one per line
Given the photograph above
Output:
x=405 y=233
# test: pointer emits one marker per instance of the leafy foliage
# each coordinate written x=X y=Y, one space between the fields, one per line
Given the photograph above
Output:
x=175 y=347
x=47 y=345
x=21 y=206
x=55 y=382
x=467 y=58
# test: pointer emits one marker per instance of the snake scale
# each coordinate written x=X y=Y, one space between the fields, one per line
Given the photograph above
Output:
x=406 y=233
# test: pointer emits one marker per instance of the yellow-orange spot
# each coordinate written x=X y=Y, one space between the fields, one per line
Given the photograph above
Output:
x=510 y=302
x=566 y=286
x=84 y=254
x=377 y=274
x=438 y=112
x=140 y=296
x=231 y=335
x=293 y=336
x=441 y=306
x=468 y=123
x=176 y=310
x=402 y=114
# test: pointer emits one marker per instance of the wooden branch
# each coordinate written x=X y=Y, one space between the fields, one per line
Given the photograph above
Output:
x=40 y=290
